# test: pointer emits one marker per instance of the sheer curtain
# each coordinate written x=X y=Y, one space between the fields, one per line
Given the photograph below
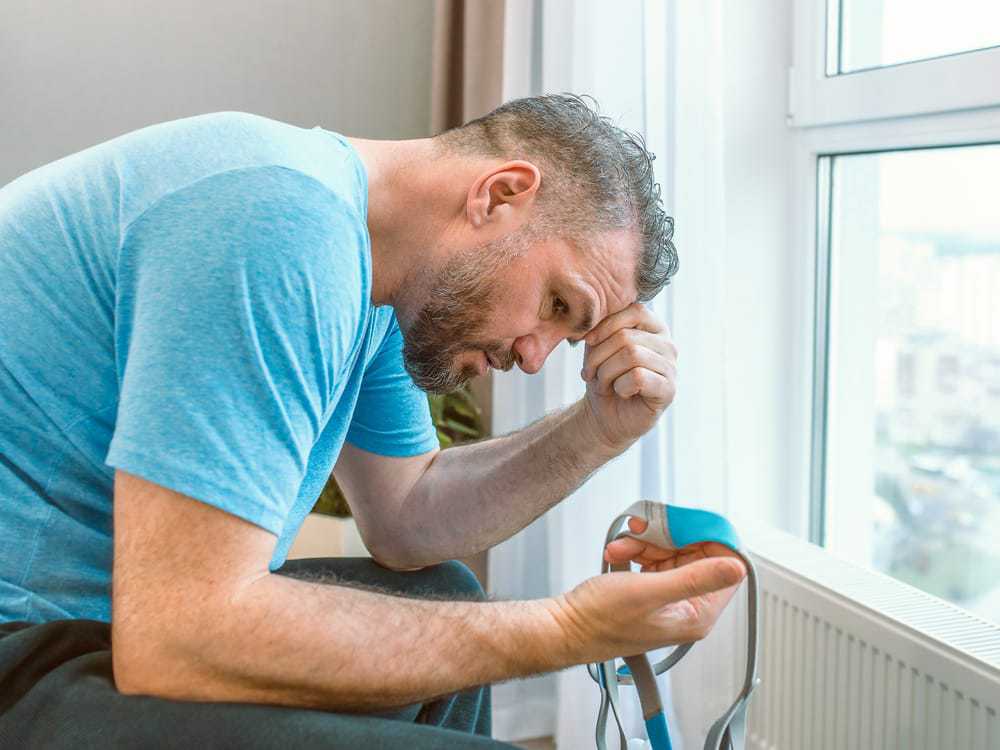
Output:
x=655 y=67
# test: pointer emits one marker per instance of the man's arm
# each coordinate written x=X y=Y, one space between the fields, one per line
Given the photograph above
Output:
x=197 y=616
x=419 y=511
x=468 y=498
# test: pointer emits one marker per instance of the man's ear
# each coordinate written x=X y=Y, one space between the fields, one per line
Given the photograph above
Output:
x=502 y=193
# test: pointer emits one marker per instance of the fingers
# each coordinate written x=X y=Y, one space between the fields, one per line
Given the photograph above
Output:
x=631 y=341
x=628 y=549
x=626 y=359
x=630 y=353
x=653 y=558
x=654 y=388
x=698 y=578
x=687 y=555
x=633 y=316
x=632 y=550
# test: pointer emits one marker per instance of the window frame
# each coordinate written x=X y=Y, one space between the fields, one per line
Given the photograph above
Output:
x=906 y=89
x=810 y=214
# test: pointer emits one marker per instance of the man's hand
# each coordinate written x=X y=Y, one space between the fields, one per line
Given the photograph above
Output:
x=630 y=366
x=649 y=557
x=676 y=600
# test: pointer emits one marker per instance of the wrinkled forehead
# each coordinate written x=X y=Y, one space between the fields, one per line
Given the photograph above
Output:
x=595 y=279
x=608 y=259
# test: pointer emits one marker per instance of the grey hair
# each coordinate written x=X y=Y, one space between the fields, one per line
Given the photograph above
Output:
x=596 y=175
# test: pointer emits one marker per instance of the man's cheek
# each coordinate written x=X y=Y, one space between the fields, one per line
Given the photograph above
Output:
x=506 y=322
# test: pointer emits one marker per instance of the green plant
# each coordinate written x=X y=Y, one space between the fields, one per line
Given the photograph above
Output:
x=456 y=417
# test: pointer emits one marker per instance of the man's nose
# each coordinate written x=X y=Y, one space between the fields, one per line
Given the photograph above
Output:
x=531 y=351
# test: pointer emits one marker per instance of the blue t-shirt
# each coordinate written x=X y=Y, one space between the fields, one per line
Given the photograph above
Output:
x=189 y=303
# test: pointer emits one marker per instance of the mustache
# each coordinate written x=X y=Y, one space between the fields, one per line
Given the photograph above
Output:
x=502 y=357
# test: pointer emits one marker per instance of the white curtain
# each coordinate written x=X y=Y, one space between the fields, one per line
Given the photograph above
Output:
x=655 y=66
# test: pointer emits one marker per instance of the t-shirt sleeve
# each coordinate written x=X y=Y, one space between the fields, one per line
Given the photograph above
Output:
x=392 y=417
x=238 y=300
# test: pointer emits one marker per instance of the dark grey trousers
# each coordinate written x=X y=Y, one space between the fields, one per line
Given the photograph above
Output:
x=57 y=690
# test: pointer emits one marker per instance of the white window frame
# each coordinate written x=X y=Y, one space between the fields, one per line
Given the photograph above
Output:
x=964 y=81
x=850 y=114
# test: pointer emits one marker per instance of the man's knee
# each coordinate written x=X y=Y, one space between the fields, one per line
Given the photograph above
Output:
x=454 y=579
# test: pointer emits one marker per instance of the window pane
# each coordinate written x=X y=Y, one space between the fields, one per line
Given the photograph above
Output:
x=875 y=33
x=912 y=484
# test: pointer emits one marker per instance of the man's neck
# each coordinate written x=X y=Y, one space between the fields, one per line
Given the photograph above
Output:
x=411 y=204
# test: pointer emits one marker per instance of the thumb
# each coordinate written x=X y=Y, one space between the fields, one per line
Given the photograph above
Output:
x=696 y=578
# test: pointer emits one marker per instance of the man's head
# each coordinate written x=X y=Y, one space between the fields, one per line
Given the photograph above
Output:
x=562 y=225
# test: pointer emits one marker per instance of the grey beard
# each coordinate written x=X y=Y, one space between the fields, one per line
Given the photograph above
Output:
x=451 y=322
x=440 y=333
x=454 y=317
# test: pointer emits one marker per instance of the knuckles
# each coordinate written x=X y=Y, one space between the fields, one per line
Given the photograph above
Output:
x=622 y=336
x=641 y=378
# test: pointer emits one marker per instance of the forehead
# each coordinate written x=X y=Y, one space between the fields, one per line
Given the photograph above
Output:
x=605 y=265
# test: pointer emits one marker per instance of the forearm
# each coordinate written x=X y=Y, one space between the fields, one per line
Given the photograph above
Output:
x=299 y=643
x=474 y=496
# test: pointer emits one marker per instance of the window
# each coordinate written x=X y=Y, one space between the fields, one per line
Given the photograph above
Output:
x=859 y=60
x=896 y=118
x=868 y=34
x=912 y=428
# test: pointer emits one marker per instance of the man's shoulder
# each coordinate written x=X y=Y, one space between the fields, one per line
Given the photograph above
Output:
x=275 y=205
x=273 y=236
x=156 y=161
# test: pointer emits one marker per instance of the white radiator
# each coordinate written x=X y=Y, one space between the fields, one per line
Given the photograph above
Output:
x=854 y=660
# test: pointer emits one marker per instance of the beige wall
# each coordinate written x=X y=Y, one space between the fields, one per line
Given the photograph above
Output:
x=76 y=73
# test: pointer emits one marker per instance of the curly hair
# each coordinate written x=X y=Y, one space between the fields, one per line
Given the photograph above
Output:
x=597 y=176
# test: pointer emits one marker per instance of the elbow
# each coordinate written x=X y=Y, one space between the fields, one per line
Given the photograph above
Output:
x=131 y=679
x=386 y=550
x=142 y=664
x=396 y=567
x=134 y=674
x=393 y=557
x=389 y=558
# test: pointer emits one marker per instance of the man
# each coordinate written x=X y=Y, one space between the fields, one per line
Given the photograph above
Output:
x=201 y=319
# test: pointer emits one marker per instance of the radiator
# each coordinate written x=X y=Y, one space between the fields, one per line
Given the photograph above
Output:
x=852 y=659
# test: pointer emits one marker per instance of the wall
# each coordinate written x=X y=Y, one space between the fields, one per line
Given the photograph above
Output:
x=73 y=74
